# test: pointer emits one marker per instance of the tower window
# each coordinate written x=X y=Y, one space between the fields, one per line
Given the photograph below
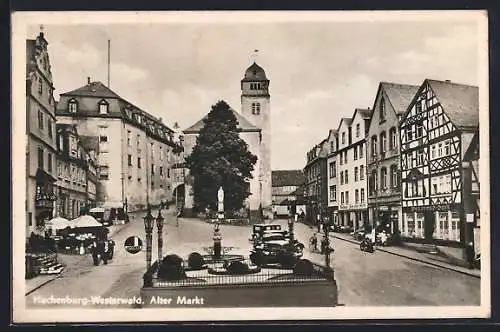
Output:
x=256 y=108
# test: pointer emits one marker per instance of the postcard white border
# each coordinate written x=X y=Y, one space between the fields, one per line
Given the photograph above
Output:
x=21 y=314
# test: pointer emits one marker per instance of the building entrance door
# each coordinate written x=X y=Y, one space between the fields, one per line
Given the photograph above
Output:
x=429 y=225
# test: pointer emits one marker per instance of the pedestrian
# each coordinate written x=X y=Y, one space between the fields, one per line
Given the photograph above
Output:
x=105 y=252
x=95 y=253
x=469 y=254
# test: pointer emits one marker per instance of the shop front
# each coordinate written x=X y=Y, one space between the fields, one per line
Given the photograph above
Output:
x=431 y=223
x=44 y=200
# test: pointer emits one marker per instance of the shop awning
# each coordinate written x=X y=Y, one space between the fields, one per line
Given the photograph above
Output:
x=44 y=177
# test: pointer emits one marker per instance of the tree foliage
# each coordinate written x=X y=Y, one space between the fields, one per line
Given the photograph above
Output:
x=220 y=158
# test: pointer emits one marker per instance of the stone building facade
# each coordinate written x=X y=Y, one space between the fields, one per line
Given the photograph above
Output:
x=135 y=148
x=315 y=188
x=40 y=136
x=332 y=163
x=384 y=195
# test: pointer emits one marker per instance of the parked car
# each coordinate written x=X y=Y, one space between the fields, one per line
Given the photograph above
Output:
x=276 y=248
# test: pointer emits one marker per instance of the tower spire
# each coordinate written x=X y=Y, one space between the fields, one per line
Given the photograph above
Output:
x=254 y=55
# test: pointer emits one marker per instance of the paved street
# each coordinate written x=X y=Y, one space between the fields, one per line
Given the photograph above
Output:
x=363 y=279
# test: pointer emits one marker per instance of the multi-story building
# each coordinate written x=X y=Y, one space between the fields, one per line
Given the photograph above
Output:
x=135 y=148
x=74 y=163
x=315 y=190
x=352 y=168
x=384 y=195
x=91 y=146
x=439 y=145
x=285 y=189
x=332 y=146
x=41 y=136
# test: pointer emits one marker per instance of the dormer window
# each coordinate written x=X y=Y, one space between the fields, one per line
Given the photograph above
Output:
x=103 y=107
x=73 y=106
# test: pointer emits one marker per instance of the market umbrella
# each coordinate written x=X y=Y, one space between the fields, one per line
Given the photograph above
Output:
x=85 y=221
x=58 y=223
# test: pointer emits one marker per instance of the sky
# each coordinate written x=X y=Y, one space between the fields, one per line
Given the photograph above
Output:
x=319 y=71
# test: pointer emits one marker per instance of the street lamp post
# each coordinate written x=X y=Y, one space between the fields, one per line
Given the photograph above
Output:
x=326 y=229
x=148 y=226
x=159 y=224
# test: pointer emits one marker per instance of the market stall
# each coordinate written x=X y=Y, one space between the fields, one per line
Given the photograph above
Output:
x=78 y=238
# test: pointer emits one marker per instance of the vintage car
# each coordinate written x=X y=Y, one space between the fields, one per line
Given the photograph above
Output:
x=276 y=248
x=260 y=229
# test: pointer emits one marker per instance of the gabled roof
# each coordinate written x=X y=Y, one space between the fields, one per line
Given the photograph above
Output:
x=460 y=102
x=348 y=121
x=280 y=178
x=364 y=113
x=243 y=124
x=399 y=95
x=93 y=89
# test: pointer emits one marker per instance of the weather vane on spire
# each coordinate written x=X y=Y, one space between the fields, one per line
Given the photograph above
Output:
x=255 y=54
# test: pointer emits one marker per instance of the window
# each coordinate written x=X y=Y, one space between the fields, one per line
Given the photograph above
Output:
x=73 y=106
x=418 y=106
x=103 y=139
x=341 y=177
x=49 y=127
x=138 y=141
x=419 y=130
x=393 y=138
x=355 y=153
x=103 y=107
x=361 y=149
x=333 y=193
x=362 y=195
x=40 y=86
x=382 y=109
x=138 y=162
x=347 y=197
x=40 y=119
x=130 y=160
x=161 y=171
x=355 y=174
x=361 y=172
x=256 y=108
x=394 y=176
x=104 y=173
x=40 y=158
x=331 y=170
x=356 y=196
x=358 y=130
x=446 y=148
x=342 y=200
x=152 y=169
x=345 y=157
x=383 y=178
x=129 y=134
x=440 y=150
x=332 y=147
x=343 y=138
x=433 y=151
x=168 y=172
x=49 y=162
x=409 y=134
x=341 y=158
x=346 y=177
x=152 y=150
x=373 y=182
x=161 y=153
x=383 y=142
x=420 y=157
x=374 y=146
x=334 y=173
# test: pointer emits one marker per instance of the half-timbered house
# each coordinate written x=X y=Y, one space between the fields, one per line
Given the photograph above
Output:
x=437 y=132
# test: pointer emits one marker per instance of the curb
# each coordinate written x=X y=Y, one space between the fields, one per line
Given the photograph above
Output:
x=417 y=260
x=42 y=284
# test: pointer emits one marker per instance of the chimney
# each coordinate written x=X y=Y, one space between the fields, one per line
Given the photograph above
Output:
x=88 y=80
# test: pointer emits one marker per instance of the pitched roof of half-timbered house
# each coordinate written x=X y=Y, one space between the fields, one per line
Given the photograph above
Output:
x=460 y=102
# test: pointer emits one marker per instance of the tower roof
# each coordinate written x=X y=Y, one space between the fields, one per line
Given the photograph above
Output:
x=255 y=73
x=243 y=124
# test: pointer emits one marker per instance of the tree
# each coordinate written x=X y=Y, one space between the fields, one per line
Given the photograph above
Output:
x=220 y=158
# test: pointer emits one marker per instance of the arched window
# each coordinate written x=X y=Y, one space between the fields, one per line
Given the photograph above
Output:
x=256 y=108
x=372 y=182
x=383 y=142
x=73 y=106
x=374 y=146
x=392 y=138
x=383 y=178
x=382 y=110
x=394 y=176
